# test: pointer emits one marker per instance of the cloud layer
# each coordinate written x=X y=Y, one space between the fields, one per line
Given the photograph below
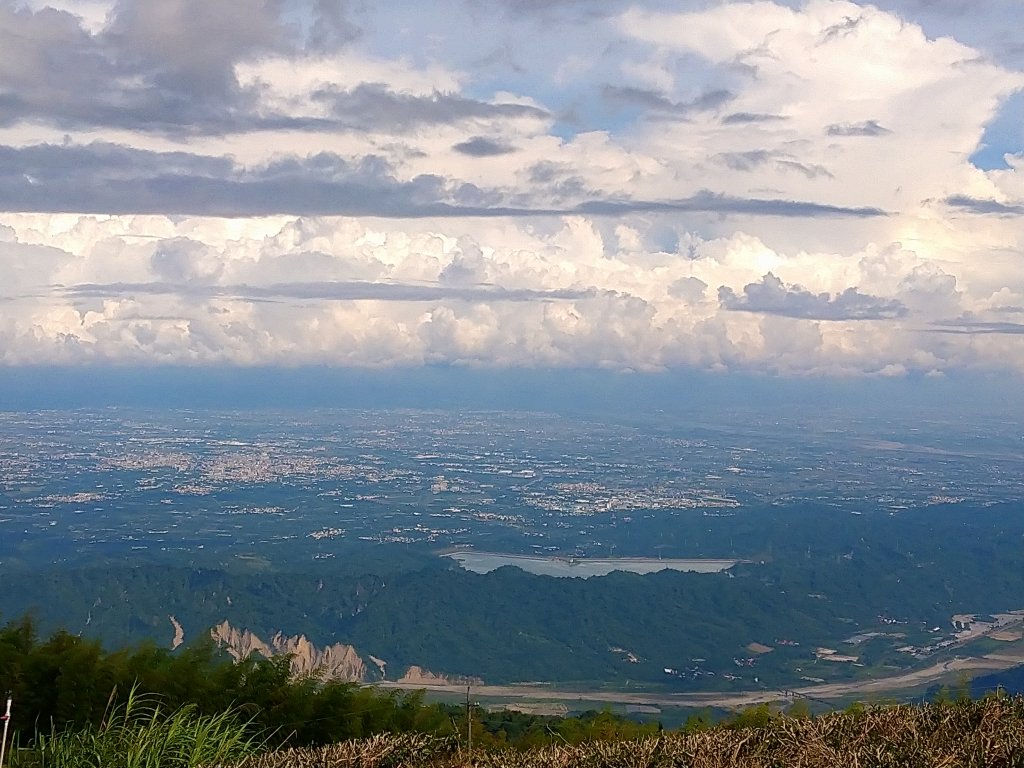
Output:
x=761 y=186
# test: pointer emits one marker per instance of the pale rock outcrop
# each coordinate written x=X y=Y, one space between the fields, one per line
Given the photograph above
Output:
x=179 y=633
x=419 y=676
x=332 y=662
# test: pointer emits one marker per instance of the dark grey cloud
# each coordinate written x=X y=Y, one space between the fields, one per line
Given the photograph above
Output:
x=843 y=28
x=368 y=107
x=190 y=47
x=332 y=25
x=709 y=202
x=108 y=178
x=63 y=167
x=952 y=7
x=47 y=51
x=809 y=170
x=756 y=158
x=869 y=128
x=980 y=205
x=541 y=5
x=168 y=67
x=481 y=146
x=373 y=106
x=773 y=297
x=745 y=161
x=658 y=103
x=548 y=171
x=748 y=118
x=49 y=63
x=971 y=327
x=567 y=11
x=326 y=291
x=559 y=181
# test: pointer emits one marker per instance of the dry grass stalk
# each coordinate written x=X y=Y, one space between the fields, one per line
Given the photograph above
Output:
x=971 y=734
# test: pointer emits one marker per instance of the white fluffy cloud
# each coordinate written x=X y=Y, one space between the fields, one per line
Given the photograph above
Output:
x=741 y=186
x=346 y=291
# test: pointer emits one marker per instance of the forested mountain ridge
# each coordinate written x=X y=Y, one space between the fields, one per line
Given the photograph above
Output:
x=874 y=584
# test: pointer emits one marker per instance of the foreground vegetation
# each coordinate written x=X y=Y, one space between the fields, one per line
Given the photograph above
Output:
x=987 y=733
x=77 y=705
x=140 y=733
x=66 y=684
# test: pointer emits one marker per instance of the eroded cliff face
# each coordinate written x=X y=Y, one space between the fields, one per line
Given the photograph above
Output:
x=179 y=633
x=419 y=676
x=333 y=662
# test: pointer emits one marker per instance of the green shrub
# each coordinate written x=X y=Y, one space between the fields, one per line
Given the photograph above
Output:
x=139 y=734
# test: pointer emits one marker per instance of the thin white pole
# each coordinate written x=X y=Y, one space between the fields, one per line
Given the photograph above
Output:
x=7 y=719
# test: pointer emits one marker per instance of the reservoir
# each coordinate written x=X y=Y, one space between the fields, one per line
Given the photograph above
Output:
x=485 y=562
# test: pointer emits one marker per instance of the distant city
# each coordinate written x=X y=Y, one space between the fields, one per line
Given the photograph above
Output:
x=291 y=484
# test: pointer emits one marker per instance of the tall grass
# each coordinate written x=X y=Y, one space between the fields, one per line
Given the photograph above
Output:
x=967 y=734
x=140 y=734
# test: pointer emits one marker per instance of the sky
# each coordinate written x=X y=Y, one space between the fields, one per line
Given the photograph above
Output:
x=821 y=189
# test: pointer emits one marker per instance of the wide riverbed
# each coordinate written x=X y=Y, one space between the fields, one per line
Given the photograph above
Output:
x=484 y=562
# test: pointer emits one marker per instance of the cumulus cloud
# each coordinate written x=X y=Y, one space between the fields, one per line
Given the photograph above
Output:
x=689 y=289
x=578 y=294
x=772 y=296
x=733 y=185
